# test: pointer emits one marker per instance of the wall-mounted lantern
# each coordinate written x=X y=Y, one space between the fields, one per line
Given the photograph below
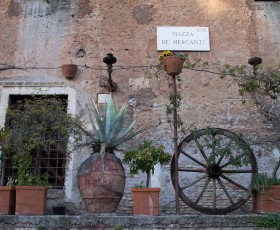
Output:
x=111 y=86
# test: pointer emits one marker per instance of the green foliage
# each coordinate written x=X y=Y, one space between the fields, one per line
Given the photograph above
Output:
x=214 y=141
x=174 y=103
x=108 y=130
x=263 y=87
x=261 y=81
x=29 y=127
x=41 y=228
x=262 y=180
x=270 y=221
x=145 y=158
x=141 y=185
x=118 y=227
x=34 y=119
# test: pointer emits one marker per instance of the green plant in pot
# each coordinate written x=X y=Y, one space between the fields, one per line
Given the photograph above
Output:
x=266 y=192
x=101 y=176
x=144 y=159
x=35 y=124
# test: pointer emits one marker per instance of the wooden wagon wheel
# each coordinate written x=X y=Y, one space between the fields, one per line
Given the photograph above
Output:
x=215 y=170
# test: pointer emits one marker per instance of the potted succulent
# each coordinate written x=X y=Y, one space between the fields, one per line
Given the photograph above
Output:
x=144 y=159
x=31 y=125
x=266 y=192
x=172 y=62
x=101 y=176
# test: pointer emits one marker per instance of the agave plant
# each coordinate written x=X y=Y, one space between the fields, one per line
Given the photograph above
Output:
x=108 y=130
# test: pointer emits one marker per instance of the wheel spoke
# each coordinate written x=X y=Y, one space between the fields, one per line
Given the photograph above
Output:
x=235 y=183
x=228 y=163
x=220 y=159
x=225 y=190
x=237 y=171
x=214 y=193
x=200 y=170
x=194 y=182
x=200 y=149
x=202 y=191
x=225 y=145
x=193 y=159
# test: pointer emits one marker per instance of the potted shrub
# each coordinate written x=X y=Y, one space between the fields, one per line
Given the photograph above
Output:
x=101 y=176
x=266 y=193
x=32 y=124
x=144 y=159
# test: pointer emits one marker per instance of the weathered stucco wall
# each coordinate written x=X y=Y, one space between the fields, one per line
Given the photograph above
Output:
x=41 y=35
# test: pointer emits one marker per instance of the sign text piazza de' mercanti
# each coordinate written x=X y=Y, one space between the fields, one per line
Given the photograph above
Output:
x=183 y=38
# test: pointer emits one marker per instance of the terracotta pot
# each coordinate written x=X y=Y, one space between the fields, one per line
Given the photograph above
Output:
x=101 y=190
x=173 y=65
x=145 y=201
x=267 y=201
x=69 y=70
x=7 y=200
x=31 y=200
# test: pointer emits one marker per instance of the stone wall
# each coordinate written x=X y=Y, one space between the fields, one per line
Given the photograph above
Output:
x=38 y=36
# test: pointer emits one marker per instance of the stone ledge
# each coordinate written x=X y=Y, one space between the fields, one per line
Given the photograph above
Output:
x=109 y=221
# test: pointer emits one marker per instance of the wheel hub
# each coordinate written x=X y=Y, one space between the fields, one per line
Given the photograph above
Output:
x=214 y=171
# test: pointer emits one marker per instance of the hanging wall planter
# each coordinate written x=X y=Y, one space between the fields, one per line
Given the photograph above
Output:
x=69 y=70
x=173 y=65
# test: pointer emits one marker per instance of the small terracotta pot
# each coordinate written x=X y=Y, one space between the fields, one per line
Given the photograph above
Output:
x=173 y=65
x=146 y=201
x=69 y=70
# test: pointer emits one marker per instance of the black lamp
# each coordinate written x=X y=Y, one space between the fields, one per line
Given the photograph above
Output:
x=110 y=60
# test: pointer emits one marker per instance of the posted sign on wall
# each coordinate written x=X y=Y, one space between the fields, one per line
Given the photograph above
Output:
x=183 y=38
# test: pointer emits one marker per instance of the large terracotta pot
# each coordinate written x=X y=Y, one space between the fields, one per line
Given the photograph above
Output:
x=268 y=200
x=7 y=200
x=31 y=200
x=101 y=188
x=173 y=65
x=146 y=201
